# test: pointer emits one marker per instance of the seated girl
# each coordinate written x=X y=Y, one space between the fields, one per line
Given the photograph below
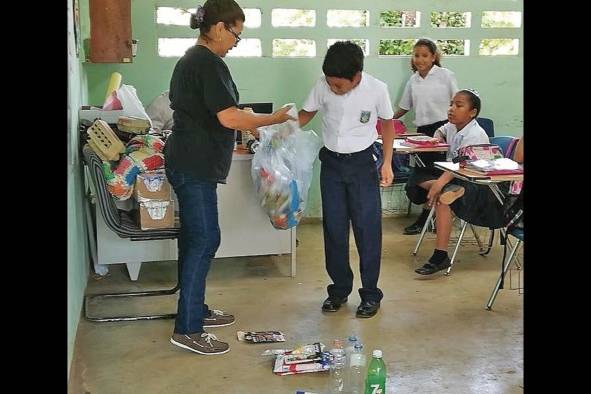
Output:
x=441 y=188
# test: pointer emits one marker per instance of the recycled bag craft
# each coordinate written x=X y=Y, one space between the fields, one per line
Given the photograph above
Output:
x=142 y=153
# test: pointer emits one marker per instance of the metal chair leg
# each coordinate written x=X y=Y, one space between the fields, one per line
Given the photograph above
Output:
x=101 y=319
x=490 y=242
x=424 y=230
x=516 y=262
x=453 y=256
x=506 y=266
x=477 y=238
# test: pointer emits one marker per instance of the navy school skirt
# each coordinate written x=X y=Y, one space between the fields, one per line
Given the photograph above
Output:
x=478 y=205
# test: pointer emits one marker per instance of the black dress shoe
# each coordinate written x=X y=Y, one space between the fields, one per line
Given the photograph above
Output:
x=430 y=268
x=367 y=308
x=333 y=304
x=413 y=229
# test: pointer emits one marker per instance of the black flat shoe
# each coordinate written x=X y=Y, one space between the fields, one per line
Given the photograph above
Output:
x=413 y=229
x=367 y=309
x=333 y=304
x=430 y=268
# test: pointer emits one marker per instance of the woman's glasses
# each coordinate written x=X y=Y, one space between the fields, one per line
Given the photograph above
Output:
x=236 y=36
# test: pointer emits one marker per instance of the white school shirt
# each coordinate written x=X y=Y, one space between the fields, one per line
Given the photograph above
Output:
x=471 y=134
x=349 y=120
x=429 y=96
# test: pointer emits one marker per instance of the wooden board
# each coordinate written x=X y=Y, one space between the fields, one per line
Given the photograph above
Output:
x=110 y=31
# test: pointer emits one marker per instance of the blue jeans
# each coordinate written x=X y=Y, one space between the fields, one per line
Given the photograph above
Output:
x=198 y=241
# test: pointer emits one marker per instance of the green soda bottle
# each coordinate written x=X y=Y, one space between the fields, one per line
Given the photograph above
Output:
x=375 y=382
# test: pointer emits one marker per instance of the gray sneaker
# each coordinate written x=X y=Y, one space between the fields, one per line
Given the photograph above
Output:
x=202 y=343
x=450 y=193
x=218 y=318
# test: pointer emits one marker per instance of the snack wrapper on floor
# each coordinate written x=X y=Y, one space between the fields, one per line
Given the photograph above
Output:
x=260 y=336
x=282 y=170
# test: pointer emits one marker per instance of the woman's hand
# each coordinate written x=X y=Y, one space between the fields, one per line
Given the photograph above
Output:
x=281 y=115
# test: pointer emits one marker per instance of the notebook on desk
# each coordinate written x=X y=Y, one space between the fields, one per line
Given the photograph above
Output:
x=424 y=146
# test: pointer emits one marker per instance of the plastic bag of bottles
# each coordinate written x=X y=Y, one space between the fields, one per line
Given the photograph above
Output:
x=282 y=170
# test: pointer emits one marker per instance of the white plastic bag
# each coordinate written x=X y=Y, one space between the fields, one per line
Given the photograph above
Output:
x=282 y=170
x=132 y=106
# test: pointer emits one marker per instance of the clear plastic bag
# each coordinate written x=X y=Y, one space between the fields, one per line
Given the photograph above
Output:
x=126 y=98
x=282 y=170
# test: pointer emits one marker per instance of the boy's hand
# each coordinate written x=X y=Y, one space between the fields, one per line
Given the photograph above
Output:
x=387 y=175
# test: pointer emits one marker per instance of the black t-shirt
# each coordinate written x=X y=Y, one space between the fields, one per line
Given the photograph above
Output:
x=200 y=87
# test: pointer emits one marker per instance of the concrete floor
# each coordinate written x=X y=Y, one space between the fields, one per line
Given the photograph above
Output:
x=434 y=332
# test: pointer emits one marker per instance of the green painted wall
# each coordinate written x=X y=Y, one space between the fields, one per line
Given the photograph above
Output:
x=77 y=242
x=499 y=79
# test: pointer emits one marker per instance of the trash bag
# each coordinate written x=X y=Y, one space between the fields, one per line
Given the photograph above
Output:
x=282 y=170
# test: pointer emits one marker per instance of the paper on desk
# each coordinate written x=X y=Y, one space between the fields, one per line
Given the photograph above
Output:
x=498 y=164
x=449 y=165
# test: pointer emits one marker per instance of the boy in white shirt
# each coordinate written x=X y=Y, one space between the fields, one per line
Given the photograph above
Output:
x=351 y=102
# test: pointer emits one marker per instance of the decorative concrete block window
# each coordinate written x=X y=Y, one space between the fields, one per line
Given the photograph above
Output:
x=396 y=47
x=347 y=18
x=491 y=19
x=364 y=44
x=400 y=19
x=499 y=46
x=176 y=47
x=445 y=19
x=181 y=16
x=284 y=17
x=293 y=47
x=454 y=47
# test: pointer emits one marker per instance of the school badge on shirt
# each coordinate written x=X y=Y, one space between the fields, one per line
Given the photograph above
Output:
x=365 y=115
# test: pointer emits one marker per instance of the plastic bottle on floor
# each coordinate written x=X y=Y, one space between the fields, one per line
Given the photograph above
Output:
x=351 y=342
x=375 y=382
x=357 y=364
x=336 y=383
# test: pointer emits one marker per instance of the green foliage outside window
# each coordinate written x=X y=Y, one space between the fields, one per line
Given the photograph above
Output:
x=449 y=19
x=398 y=19
x=396 y=47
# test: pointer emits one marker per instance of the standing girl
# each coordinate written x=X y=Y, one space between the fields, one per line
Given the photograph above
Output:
x=428 y=91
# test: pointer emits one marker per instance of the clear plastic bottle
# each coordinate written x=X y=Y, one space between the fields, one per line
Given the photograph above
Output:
x=375 y=383
x=351 y=342
x=357 y=363
x=337 y=368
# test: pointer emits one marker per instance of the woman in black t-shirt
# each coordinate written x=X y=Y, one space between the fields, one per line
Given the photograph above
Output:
x=198 y=155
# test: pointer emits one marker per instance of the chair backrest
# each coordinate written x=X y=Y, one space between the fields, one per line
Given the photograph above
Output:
x=506 y=143
x=488 y=125
x=399 y=127
x=400 y=163
x=511 y=149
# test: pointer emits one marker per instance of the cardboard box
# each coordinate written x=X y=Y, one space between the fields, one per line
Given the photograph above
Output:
x=156 y=214
x=91 y=113
x=152 y=185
